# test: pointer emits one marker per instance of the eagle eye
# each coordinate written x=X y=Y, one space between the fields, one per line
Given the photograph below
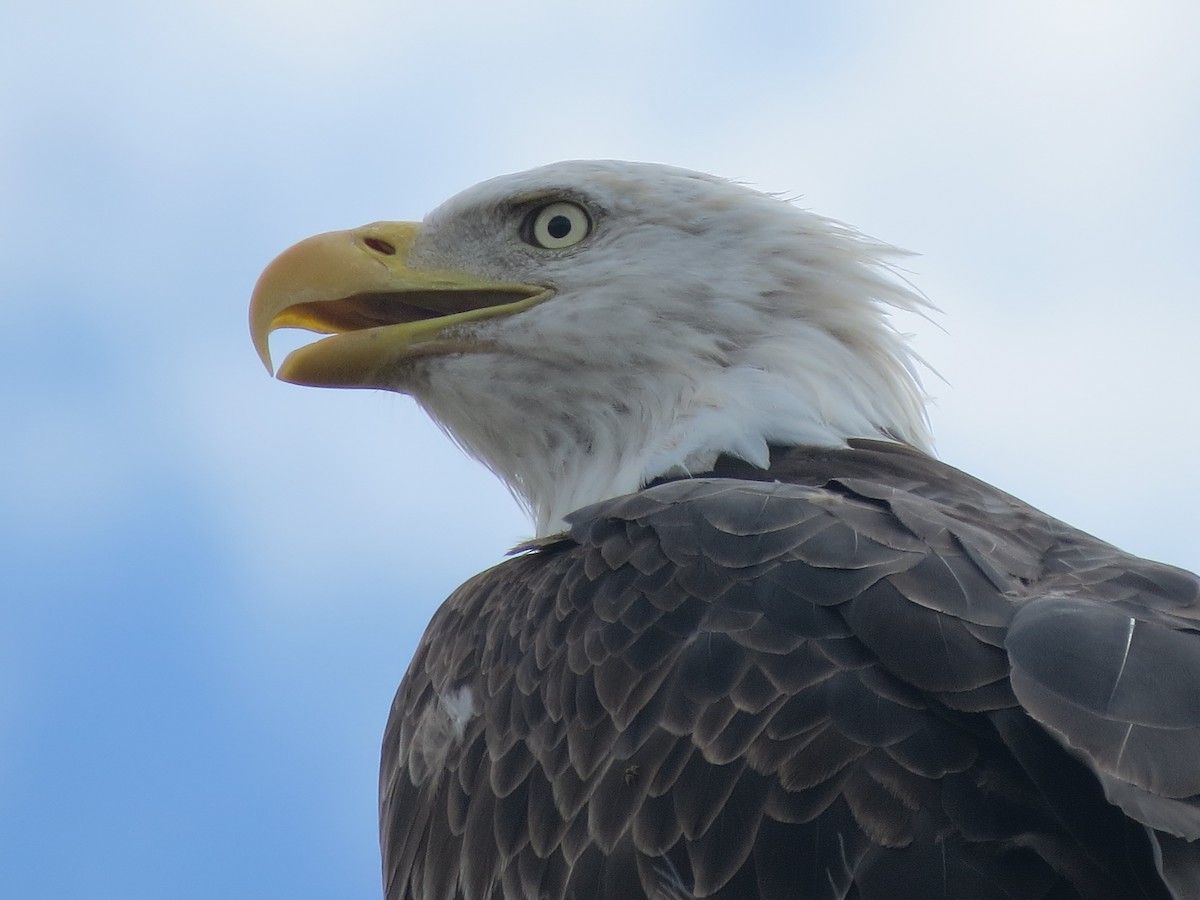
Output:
x=557 y=225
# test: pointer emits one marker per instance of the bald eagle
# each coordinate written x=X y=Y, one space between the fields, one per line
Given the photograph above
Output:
x=765 y=644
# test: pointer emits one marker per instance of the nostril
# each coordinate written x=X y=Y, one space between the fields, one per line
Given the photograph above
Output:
x=380 y=246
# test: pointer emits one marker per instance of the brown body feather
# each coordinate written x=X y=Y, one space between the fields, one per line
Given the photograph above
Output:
x=860 y=674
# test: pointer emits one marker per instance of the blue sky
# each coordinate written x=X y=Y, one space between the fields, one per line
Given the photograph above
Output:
x=212 y=582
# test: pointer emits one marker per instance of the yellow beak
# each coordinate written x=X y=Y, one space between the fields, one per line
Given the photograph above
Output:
x=357 y=286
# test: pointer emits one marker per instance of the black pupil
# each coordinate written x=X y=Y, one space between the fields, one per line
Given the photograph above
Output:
x=558 y=227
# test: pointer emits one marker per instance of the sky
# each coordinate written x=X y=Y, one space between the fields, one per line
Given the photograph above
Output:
x=211 y=582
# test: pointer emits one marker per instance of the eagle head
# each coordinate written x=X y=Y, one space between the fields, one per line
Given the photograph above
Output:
x=586 y=327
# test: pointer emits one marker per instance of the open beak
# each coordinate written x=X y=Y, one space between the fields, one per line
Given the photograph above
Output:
x=357 y=286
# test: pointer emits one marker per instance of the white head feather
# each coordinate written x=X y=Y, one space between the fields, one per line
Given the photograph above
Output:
x=698 y=318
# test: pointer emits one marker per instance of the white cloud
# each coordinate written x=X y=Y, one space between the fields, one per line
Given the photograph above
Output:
x=1026 y=153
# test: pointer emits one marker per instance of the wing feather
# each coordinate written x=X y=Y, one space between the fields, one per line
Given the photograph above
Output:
x=858 y=670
